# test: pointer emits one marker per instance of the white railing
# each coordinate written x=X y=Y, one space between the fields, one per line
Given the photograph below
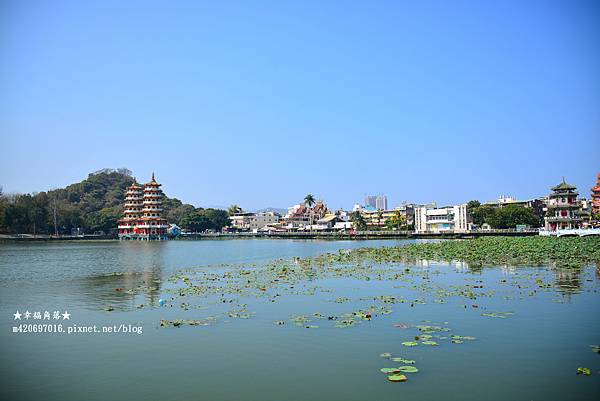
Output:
x=581 y=232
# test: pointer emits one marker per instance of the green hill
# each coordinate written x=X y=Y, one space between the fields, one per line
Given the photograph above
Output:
x=92 y=205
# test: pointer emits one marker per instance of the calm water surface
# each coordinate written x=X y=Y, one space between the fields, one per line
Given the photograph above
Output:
x=531 y=354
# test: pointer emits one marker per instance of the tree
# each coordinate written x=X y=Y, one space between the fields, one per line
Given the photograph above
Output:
x=234 y=209
x=473 y=204
x=219 y=218
x=309 y=200
x=510 y=216
x=175 y=214
x=199 y=220
x=2 y=210
x=379 y=217
x=358 y=221
x=104 y=220
x=38 y=213
x=68 y=216
x=27 y=214
x=196 y=221
x=482 y=214
x=398 y=221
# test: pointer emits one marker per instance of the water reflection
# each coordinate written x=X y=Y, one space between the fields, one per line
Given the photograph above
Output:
x=567 y=280
x=134 y=269
x=458 y=266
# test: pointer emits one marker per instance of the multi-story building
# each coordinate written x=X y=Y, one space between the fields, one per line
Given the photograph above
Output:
x=142 y=216
x=381 y=202
x=262 y=219
x=442 y=219
x=299 y=216
x=376 y=202
x=563 y=208
x=250 y=221
x=596 y=197
x=371 y=200
x=380 y=217
x=241 y=221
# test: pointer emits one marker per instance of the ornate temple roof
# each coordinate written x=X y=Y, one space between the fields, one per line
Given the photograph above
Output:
x=563 y=186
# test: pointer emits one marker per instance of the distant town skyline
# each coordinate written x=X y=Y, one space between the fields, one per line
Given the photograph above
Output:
x=258 y=106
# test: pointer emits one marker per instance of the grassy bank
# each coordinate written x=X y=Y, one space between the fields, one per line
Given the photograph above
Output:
x=568 y=252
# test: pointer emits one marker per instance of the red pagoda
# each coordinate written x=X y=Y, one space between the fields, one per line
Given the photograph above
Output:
x=596 y=197
x=142 y=217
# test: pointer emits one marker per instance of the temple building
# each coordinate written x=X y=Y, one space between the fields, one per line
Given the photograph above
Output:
x=596 y=197
x=142 y=217
x=563 y=208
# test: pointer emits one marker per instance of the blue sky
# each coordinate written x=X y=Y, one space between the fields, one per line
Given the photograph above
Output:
x=260 y=103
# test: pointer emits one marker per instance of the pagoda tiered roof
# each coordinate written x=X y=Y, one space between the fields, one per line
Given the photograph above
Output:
x=597 y=187
x=563 y=186
x=152 y=182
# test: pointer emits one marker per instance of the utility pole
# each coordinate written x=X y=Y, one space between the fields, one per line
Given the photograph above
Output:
x=54 y=212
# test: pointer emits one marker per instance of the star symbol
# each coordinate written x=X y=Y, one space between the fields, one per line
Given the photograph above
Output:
x=66 y=316
x=17 y=315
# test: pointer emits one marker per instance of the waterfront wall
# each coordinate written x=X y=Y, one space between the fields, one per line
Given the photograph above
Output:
x=360 y=235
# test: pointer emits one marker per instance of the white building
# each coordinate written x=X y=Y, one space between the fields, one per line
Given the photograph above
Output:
x=241 y=221
x=442 y=219
x=262 y=219
x=246 y=221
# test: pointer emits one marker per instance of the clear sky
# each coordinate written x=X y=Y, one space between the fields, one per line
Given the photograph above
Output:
x=260 y=103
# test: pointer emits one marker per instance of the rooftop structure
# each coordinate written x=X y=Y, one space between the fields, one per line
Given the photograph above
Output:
x=301 y=215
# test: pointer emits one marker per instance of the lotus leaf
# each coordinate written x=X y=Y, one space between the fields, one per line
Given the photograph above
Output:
x=397 y=378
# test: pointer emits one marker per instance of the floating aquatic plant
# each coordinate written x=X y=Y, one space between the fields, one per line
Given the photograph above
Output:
x=397 y=378
x=584 y=371
x=387 y=371
x=408 y=369
x=402 y=360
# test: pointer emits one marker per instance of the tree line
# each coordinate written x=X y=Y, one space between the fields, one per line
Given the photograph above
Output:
x=91 y=206
x=508 y=216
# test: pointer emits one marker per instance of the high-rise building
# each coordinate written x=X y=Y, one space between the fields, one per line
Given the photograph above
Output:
x=381 y=202
x=563 y=208
x=371 y=200
x=142 y=217
x=376 y=201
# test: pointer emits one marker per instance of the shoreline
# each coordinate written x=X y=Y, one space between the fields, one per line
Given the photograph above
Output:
x=297 y=235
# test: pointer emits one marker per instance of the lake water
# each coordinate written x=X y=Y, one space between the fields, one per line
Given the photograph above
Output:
x=533 y=325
